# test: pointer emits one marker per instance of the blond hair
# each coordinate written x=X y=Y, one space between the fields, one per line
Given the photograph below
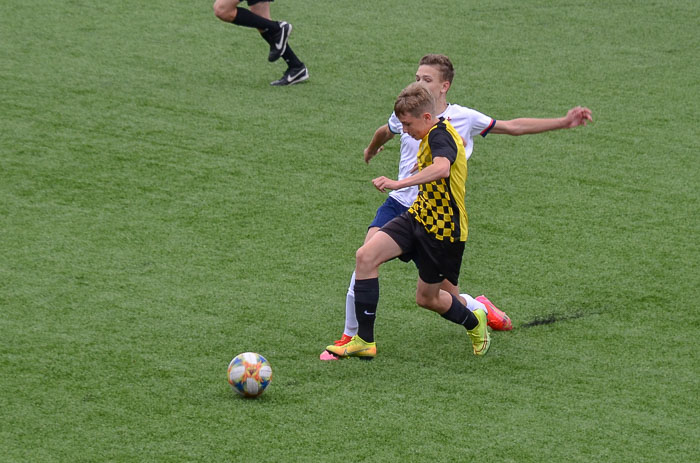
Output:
x=414 y=100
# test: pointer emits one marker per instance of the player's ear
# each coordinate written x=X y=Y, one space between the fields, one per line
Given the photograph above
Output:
x=446 y=86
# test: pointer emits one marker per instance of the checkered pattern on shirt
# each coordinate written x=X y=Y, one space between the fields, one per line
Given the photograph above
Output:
x=435 y=207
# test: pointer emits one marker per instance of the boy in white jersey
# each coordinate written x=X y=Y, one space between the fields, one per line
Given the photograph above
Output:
x=436 y=73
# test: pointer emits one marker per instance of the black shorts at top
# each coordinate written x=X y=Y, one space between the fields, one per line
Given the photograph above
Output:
x=436 y=260
x=253 y=2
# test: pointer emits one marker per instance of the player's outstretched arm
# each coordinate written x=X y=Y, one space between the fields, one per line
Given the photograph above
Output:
x=380 y=137
x=527 y=126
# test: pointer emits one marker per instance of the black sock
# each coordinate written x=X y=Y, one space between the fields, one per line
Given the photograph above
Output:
x=288 y=56
x=291 y=59
x=460 y=315
x=249 y=19
x=268 y=36
x=366 y=300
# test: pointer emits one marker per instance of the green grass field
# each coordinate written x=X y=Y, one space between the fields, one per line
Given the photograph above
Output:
x=162 y=209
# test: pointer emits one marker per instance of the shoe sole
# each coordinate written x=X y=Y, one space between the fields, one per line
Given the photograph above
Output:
x=351 y=355
x=500 y=325
x=488 y=346
x=338 y=357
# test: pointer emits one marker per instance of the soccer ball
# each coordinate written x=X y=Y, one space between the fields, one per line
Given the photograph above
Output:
x=249 y=374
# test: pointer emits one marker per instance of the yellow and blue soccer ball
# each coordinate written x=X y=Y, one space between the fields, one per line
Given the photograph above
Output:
x=249 y=374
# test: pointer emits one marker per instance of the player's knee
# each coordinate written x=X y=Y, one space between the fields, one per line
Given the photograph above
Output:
x=422 y=300
x=426 y=301
x=225 y=11
x=364 y=259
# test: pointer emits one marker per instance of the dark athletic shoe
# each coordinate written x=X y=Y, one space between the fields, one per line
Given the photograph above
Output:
x=292 y=76
x=278 y=44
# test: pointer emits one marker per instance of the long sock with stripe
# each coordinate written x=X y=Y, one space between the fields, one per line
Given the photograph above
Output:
x=460 y=315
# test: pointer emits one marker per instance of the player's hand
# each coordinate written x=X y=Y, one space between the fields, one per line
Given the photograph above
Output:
x=578 y=116
x=369 y=154
x=382 y=184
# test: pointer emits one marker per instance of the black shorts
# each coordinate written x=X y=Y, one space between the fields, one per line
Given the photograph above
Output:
x=253 y=2
x=436 y=260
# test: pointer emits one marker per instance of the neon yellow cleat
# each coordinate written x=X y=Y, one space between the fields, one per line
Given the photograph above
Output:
x=355 y=348
x=480 y=334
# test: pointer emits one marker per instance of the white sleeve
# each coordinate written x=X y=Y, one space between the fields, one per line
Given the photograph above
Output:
x=395 y=125
x=481 y=124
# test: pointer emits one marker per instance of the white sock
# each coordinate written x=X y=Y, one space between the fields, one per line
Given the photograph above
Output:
x=350 y=317
x=473 y=304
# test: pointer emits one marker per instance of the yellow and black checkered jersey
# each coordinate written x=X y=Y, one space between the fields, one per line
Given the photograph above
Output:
x=440 y=204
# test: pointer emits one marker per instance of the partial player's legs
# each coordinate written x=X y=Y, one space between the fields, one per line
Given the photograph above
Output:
x=350 y=328
x=226 y=10
x=350 y=318
x=296 y=71
x=379 y=249
x=276 y=33
x=430 y=296
x=390 y=209
x=498 y=320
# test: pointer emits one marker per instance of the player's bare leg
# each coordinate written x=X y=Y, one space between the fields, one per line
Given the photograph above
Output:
x=376 y=250
x=350 y=328
x=431 y=297
x=226 y=10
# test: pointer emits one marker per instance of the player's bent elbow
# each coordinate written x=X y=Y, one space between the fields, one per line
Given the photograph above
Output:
x=445 y=171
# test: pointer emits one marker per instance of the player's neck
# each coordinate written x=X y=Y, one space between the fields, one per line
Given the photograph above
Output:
x=441 y=106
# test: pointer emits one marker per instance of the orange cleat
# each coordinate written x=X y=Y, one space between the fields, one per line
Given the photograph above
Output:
x=343 y=340
x=497 y=319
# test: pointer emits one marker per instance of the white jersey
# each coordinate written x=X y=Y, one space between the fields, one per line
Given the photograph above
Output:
x=468 y=123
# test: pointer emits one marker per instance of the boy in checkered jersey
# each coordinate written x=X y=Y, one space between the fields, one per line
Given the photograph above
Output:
x=432 y=232
x=436 y=72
